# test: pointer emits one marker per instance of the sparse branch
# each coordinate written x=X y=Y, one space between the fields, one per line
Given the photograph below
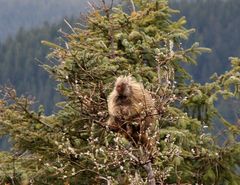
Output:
x=108 y=181
x=11 y=94
x=92 y=6
x=133 y=6
x=151 y=179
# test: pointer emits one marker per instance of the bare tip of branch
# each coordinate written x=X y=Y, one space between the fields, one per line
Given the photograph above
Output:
x=70 y=26
x=133 y=6
x=92 y=6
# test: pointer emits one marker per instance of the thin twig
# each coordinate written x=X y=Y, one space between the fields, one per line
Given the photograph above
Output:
x=92 y=6
x=133 y=6
x=111 y=5
x=69 y=25
x=150 y=174
x=101 y=177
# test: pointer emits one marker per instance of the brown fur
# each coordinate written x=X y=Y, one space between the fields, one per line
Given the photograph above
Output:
x=132 y=110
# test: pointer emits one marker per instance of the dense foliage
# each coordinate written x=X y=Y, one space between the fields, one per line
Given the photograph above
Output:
x=210 y=32
x=75 y=146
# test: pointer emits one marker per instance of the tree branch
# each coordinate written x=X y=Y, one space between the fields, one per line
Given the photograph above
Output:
x=151 y=178
x=133 y=6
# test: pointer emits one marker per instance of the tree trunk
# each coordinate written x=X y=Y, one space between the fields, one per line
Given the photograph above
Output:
x=151 y=177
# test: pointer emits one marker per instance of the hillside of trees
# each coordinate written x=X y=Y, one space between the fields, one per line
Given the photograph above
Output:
x=216 y=24
x=15 y=14
x=21 y=59
x=27 y=14
x=217 y=27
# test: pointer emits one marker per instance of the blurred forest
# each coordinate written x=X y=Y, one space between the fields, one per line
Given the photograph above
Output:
x=15 y=14
x=216 y=23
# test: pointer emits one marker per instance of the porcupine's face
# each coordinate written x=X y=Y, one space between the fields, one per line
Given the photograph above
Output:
x=123 y=91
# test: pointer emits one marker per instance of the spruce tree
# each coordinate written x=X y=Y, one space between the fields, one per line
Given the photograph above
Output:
x=76 y=146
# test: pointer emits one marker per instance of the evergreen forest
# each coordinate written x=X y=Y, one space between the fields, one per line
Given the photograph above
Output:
x=33 y=13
